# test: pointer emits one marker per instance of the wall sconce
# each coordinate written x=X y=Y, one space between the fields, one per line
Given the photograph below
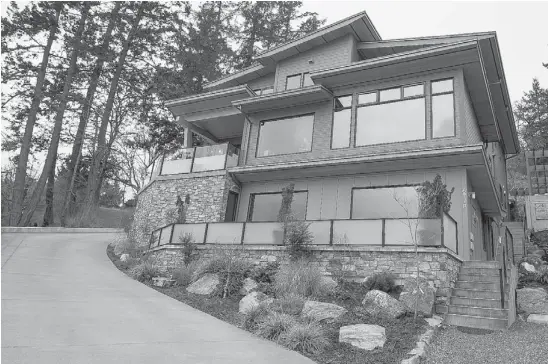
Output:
x=472 y=195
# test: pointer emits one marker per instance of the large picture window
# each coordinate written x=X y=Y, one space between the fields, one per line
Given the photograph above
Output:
x=265 y=206
x=342 y=116
x=443 y=109
x=285 y=136
x=398 y=115
x=385 y=202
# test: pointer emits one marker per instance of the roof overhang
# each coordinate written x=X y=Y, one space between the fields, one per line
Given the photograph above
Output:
x=240 y=78
x=290 y=98
x=478 y=58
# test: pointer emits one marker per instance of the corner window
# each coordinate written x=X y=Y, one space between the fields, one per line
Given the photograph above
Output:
x=285 y=136
x=342 y=115
x=292 y=82
x=443 y=109
x=265 y=206
x=307 y=81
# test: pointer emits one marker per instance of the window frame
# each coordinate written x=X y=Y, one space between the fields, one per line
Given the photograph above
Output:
x=377 y=188
x=262 y=122
x=300 y=81
x=251 y=204
x=432 y=95
x=351 y=107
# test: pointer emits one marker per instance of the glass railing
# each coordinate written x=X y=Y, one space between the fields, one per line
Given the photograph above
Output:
x=438 y=232
x=200 y=159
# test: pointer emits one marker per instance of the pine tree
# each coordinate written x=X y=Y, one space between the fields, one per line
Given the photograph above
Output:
x=531 y=114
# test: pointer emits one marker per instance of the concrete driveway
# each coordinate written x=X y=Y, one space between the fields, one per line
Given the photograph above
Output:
x=63 y=301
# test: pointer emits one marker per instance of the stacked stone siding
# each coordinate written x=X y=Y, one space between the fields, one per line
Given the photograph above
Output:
x=438 y=266
x=208 y=194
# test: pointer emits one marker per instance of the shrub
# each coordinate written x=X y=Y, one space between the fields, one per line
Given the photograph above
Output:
x=383 y=281
x=274 y=325
x=307 y=338
x=144 y=271
x=186 y=274
x=299 y=278
x=189 y=246
x=298 y=238
x=254 y=316
x=290 y=304
x=531 y=259
x=231 y=269
x=542 y=275
x=264 y=273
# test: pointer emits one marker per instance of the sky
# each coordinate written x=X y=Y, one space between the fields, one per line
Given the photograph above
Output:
x=521 y=26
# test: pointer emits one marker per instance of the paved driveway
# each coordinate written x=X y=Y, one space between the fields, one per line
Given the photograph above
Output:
x=64 y=302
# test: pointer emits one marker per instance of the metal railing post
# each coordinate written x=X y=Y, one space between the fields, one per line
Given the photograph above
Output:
x=383 y=234
x=331 y=231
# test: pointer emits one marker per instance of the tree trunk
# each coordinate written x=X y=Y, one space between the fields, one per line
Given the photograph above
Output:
x=48 y=214
x=56 y=134
x=84 y=116
x=98 y=163
x=21 y=172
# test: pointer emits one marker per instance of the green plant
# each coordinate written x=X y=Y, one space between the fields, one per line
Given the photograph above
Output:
x=274 y=325
x=254 y=316
x=290 y=304
x=186 y=274
x=232 y=270
x=434 y=198
x=144 y=271
x=307 y=338
x=189 y=246
x=287 y=199
x=264 y=273
x=298 y=238
x=299 y=278
x=383 y=281
x=542 y=275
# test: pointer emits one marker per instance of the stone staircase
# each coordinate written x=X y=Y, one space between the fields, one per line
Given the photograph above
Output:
x=476 y=300
x=516 y=229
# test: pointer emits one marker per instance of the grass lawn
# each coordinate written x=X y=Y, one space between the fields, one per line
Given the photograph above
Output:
x=401 y=333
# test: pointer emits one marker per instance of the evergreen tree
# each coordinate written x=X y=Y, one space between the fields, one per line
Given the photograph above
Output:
x=531 y=114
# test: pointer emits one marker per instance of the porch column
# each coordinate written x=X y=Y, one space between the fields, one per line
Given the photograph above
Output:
x=187 y=138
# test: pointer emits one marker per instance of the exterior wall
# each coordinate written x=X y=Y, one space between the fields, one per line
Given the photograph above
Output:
x=208 y=193
x=262 y=82
x=439 y=267
x=330 y=197
x=334 y=54
x=323 y=120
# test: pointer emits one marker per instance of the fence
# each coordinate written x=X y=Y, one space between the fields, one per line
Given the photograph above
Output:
x=199 y=159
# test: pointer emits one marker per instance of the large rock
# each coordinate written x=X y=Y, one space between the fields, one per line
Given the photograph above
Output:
x=379 y=303
x=252 y=300
x=248 y=286
x=329 y=283
x=124 y=257
x=538 y=319
x=322 y=311
x=162 y=282
x=205 y=285
x=425 y=296
x=366 y=337
x=533 y=300
x=528 y=267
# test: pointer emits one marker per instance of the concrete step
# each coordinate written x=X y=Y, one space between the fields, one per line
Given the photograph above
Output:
x=479 y=311
x=476 y=321
x=479 y=278
x=480 y=271
x=480 y=264
x=478 y=302
x=487 y=286
x=473 y=293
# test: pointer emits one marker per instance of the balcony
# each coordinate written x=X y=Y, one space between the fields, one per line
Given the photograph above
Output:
x=199 y=159
x=441 y=233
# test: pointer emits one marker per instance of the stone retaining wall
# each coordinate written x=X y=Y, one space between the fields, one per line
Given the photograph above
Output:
x=208 y=192
x=439 y=266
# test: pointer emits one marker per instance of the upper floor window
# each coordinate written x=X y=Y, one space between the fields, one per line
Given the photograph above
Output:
x=443 y=109
x=298 y=81
x=285 y=136
x=342 y=116
x=264 y=91
x=391 y=115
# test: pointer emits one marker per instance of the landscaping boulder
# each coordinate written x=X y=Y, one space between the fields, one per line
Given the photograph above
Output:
x=162 y=282
x=366 y=337
x=538 y=319
x=379 y=303
x=425 y=296
x=253 y=299
x=248 y=286
x=530 y=268
x=124 y=257
x=533 y=300
x=206 y=285
x=328 y=282
x=322 y=311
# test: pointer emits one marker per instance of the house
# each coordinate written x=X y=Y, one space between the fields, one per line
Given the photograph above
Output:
x=356 y=123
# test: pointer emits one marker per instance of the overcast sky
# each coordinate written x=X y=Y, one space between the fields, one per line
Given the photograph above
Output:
x=521 y=26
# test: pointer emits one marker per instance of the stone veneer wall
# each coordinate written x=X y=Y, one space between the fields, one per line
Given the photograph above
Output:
x=439 y=266
x=208 y=193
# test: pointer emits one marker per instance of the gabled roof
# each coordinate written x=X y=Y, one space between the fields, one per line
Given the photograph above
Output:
x=358 y=25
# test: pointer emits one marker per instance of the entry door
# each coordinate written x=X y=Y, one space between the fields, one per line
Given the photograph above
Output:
x=476 y=228
x=231 y=206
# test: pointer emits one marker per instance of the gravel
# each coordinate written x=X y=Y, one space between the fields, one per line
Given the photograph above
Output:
x=523 y=343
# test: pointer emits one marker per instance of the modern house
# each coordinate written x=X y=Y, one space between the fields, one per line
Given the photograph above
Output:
x=356 y=123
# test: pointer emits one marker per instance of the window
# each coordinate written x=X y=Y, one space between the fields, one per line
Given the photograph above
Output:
x=385 y=202
x=264 y=91
x=265 y=206
x=285 y=136
x=307 y=81
x=293 y=81
x=342 y=116
x=443 y=110
x=398 y=115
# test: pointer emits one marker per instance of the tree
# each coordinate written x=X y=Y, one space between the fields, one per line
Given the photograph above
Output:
x=531 y=114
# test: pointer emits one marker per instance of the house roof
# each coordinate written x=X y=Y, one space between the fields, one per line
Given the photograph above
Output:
x=358 y=25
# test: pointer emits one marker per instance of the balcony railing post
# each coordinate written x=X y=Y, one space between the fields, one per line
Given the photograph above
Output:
x=205 y=232
x=160 y=238
x=501 y=282
x=331 y=232
x=243 y=232
x=192 y=162
x=442 y=231
x=162 y=164
x=171 y=235
x=383 y=234
x=226 y=155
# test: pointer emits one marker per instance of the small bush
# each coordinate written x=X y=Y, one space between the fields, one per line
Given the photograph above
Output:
x=381 y=281
x=232 y=271
x=144 y=271
x=264 y=273
x=299 y=278
x=307 y=338
x=542 y=275
x=85 y=218
x=186 y=274
x=290 y=304
x=189 y=246
x=298 y=239
x=274 y=325
x=254 y=316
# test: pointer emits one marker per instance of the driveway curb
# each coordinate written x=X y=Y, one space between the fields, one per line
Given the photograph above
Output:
x=11 y=229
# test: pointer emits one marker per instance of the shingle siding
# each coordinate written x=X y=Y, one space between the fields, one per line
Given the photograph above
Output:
x=471 y=132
